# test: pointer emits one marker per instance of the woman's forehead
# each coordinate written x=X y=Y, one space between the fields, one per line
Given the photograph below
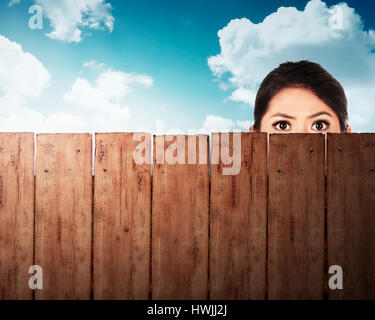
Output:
x=297 y=102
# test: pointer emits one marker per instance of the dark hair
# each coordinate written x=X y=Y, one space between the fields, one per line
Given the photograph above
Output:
x=307 y=75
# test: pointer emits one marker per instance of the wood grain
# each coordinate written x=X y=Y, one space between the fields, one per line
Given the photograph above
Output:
x=296 y=200
x=63 y=215
x=16 y=214
x=180 y=223
x=122 y=212
x=238 y=222
x=351 y=213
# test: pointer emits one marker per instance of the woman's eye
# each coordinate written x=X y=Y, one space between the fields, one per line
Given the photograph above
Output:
x=320 y=125
x=281 y=125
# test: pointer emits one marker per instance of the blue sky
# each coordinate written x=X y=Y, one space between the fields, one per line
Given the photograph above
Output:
x=151 y=68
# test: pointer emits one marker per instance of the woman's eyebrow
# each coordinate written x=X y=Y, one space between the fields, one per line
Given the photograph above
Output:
x=284 y=115
x=319 y=114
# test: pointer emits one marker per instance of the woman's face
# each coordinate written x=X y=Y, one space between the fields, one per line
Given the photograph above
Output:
x=294 y=110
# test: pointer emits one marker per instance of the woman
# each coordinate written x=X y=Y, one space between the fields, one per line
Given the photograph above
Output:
x=300 y=97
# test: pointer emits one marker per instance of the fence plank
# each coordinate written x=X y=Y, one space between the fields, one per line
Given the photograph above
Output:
x=296 y=216
x=16 y=214
x=180 y=220
x=122 y=210
x=238 y=221
x=351 y=213
x=63 y=215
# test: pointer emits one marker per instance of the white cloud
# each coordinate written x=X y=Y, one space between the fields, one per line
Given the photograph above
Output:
x=26 y=119
x=216 y=123
x=97 y=107
x=332 y=36
x=92 y=64
x=11 y=3
x=103 y=102
x=212 y=123
x=109 y=86
x=22 y=76
x=69 y=17
x=245 y=124
x=243 y=95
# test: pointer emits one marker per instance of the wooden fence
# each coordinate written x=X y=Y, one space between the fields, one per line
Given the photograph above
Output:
x=300 y=203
